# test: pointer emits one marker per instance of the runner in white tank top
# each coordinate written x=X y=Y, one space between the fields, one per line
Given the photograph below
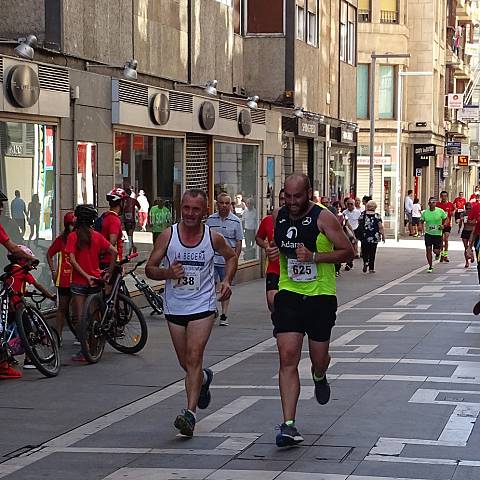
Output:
x=194 y=293
x=183 y=257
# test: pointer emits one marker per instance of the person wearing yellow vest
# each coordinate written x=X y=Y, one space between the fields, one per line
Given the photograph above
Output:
x=309 y=241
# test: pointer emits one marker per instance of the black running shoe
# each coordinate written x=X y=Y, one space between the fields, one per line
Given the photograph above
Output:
x=322 y=390
x=205 y=396
x=288 y=436
x=476 y=308
x=185 y=423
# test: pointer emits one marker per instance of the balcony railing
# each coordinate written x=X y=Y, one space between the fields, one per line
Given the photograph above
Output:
x=364 y=16
x=388 y=16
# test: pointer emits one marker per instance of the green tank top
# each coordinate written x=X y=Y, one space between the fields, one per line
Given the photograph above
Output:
x=303 y=278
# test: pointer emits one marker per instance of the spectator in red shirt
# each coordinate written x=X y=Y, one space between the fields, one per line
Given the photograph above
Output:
x=459 y=204
x=85 y=247
x=112 y=225
x=473 y=196
x=449 y=209
x=263 y=238
x=62 y=273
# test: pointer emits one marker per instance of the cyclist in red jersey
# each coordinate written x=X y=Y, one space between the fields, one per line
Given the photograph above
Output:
x=62 y=273
x=449 y=209
x=263 y=238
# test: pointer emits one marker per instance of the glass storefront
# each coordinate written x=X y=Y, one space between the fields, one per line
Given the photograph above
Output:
x=27 y=177
x=154 y=165
x=236 y=173
x=340 y=173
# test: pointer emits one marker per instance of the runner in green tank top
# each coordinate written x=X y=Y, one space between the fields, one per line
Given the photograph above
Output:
x=308 y=241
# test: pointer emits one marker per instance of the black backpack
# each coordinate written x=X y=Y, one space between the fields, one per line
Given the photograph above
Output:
x=98 y=224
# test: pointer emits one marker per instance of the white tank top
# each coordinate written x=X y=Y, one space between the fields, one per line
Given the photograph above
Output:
x=195 y=292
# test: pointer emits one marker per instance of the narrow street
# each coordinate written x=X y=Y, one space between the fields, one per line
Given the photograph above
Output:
x=405 y=394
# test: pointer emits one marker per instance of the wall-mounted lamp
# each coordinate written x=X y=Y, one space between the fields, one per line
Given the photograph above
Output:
x=252 y=102
x=211 y=88
x=298 y=112
x=25 y=49
x=129 y=69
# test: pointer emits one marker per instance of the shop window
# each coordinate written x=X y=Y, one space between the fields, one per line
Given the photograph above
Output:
x=86 y=173
x=236 y=173
x=386 y=92
x=362 y=90
x=27 y=177
x=123 y=164
x=143 y=153
x=265 y=17
x=300 y=23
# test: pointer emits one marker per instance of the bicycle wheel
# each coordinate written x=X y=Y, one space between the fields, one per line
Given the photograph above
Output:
x=154 y=299
x=90 y=332
x=129 y=333
x=38 y=340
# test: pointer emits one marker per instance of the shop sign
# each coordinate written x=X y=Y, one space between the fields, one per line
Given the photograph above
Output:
x=418 y=172
x=455 y=100
x=454 y=148
x=347 y=136
x=160 y=109
x=245 y=122
x=463 y=160
x=307 y=128
x=422 y=154
x=23 y=86
x=377 y=160
x=469 y=114
x=15 y=149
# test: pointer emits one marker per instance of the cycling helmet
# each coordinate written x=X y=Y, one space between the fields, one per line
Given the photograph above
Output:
x=3 y=197
x=116 y=195
x=86 y=214
x=12 y=257
x=69 y=218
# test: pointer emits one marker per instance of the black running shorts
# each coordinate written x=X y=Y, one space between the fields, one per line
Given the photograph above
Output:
x=310 y=315
x=184 y=320
x=447 y=229
x=271 y=281
x=434 y=241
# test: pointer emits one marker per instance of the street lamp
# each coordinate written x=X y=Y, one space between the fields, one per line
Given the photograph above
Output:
x=129 y=69
x=25 y=47
x=399 y=146
x=374 y=57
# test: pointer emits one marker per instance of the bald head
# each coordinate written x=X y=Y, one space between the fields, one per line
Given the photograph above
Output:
x=299 y=179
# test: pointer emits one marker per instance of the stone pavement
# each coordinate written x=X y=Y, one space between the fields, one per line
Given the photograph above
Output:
x=405 y=384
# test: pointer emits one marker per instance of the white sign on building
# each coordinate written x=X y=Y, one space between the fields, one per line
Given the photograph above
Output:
x=469 y=114
x=455 y=100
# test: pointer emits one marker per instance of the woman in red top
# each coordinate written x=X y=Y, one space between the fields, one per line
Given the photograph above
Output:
x=62 y=274
x=84 y=248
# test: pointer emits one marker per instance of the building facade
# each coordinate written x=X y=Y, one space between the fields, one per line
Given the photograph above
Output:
x=84 y=128
x=431 y=33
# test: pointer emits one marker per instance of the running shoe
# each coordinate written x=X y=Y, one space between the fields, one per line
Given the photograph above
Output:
x=442 y=258
x=446 y=260
x=437 y=256
x=337 y=274
x=476 y=308
x=347 y=268
x=205 y=395
x=28 y=365
x=223 y=320
x=185 y=423
x=7 y=372
x=288 y=436
x=365 y=267
x=371 y=271
x=322 y=390
x=429 y=270
x=79 y=358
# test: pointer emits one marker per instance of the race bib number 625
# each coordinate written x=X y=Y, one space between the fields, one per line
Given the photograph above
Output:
x=301 y=271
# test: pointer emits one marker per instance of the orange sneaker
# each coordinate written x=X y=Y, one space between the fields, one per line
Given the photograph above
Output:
x=6 y=372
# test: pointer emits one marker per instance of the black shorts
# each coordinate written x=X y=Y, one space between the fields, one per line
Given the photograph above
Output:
x=64 y=292
x=458 y=215
x=466 y=234
x=129 y=226
x=271 y=281
x=415 y=220
x=434 y=241
x=183 y=320
x=447 y=229
x=314 y=316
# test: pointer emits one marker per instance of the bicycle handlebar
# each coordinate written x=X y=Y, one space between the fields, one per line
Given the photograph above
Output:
x=37 y=297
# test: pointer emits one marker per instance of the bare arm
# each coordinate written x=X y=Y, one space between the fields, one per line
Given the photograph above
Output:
x=43 y=290
x=381 y=231
x=113 y=238
x=238 y=248
x=153 y=270
x=343 y=251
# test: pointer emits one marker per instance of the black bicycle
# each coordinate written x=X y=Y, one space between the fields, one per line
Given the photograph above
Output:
x=112 y=318
x=154 y=298
x=37 y=339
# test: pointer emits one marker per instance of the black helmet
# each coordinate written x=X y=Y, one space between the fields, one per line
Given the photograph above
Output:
x=86 y=214
x=3 y=197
